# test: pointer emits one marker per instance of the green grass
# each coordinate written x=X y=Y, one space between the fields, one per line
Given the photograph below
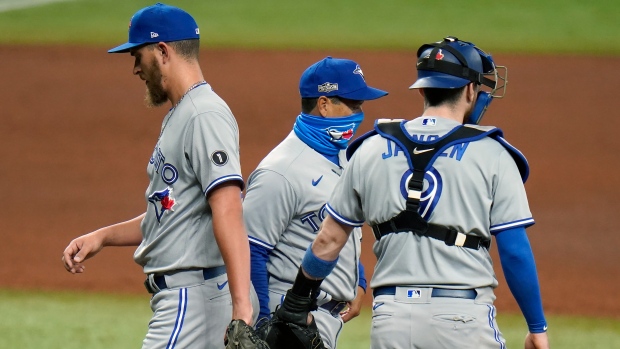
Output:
x=533 y=26
x=96 y=321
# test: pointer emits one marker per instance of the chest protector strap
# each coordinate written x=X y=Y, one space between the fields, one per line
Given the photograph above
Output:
x=421 y=157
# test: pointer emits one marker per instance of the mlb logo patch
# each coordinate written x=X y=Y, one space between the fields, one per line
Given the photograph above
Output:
x=328 y=87
x=429 y=122
x=414 y=293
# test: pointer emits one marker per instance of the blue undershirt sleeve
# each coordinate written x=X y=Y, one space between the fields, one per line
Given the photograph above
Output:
x=517 y=259
x=362 y=276
x=260 y=277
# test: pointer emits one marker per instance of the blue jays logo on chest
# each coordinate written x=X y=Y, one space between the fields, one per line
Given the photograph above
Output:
x=162 y=202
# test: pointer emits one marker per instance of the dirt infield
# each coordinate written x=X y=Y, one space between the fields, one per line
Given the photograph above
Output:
x=76 y=140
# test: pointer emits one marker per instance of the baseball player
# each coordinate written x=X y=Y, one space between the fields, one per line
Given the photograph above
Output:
x=285 y=200
x=191 y=239
x=435 y=190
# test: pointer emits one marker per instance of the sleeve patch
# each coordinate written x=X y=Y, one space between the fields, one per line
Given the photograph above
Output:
x=219 y=157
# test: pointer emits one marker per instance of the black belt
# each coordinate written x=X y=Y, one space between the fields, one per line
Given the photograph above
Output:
x=334 y=307
x=451 y=237
x=437 y=292
x=160 y=280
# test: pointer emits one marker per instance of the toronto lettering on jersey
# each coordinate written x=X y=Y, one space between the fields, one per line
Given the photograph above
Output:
x=454 y=152
x=169 y=174
x=314 y=219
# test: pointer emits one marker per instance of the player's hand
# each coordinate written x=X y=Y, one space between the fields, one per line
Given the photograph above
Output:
x=79 y=250
x=537 y=341
x=354 y=307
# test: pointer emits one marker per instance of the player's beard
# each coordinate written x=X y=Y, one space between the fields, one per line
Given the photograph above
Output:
x=155 y=94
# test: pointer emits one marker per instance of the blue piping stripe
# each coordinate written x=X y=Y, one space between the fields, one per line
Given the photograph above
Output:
x=260 y=242
x=502 y=345
x=184 y=313
x=513 y=224
x=341 y=219
x=222 y=180
x=178 y=325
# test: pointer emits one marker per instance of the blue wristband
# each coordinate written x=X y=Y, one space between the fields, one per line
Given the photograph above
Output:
x=316 y=267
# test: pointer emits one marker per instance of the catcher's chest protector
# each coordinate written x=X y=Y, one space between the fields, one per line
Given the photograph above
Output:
x=420 y=157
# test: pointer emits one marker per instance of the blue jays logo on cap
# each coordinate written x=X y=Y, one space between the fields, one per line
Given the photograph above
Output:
x=359 y=71
x=162 y=201
x=158 y=23
x=336 y=77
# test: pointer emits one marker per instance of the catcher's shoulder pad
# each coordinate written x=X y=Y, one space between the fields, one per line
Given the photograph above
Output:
x=359 y=140
x=498 y=135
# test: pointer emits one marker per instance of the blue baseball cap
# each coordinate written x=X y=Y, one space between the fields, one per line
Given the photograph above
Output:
x=335 y=77
x=159 y=23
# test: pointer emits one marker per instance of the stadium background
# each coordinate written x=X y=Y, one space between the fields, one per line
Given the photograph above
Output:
x=76 y=139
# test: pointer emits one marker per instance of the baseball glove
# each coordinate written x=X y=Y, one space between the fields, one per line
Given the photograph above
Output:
x=241 y=336
x=288 y=327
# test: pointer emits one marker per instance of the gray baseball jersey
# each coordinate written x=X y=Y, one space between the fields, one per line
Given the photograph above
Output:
x=197 y=150
x=474 y=187
x=283 y=210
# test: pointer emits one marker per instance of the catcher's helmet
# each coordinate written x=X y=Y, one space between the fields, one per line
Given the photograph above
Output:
x=453 y=63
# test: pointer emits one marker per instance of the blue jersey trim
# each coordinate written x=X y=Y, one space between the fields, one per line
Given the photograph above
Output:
x=260 y=242
x=221 y=180
x=178 y=325
x=521 y=223
x=342 y=220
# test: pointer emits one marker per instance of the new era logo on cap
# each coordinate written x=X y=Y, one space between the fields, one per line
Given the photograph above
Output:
x=157 y=23
x=336 y=77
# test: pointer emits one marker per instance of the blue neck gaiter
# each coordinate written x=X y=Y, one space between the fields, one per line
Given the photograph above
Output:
x=328 y=136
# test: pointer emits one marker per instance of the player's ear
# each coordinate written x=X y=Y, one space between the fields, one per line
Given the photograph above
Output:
x=470 y=92
x=164 y=51
x=322 y=105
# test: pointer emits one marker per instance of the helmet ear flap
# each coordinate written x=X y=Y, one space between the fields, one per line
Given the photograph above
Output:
x=482 y=103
